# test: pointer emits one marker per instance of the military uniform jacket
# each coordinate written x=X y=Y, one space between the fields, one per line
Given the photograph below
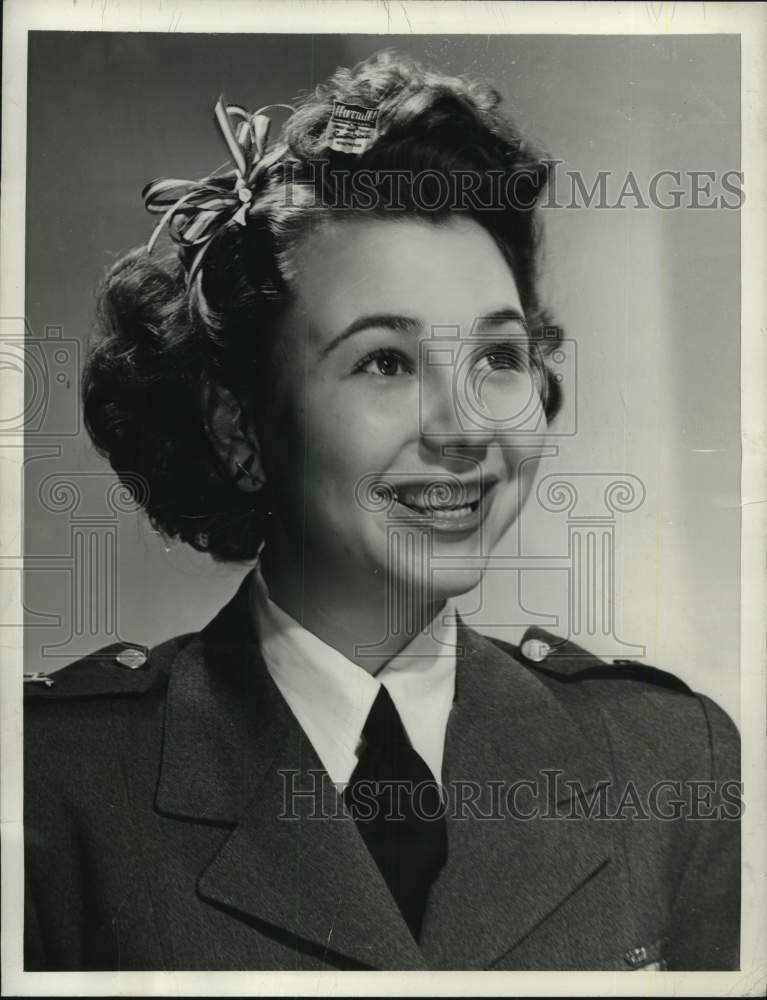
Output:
x=165 y=827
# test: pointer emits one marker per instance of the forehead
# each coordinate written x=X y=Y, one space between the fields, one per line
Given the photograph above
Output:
x=446 y=272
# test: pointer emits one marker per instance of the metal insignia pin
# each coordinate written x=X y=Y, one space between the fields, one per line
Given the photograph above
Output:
x=39 y=678
x=635 y=956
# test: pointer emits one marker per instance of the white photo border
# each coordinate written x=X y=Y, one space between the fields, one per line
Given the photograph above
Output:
x=749 y=21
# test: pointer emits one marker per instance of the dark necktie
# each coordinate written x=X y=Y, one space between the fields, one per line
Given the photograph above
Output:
x=398 y=809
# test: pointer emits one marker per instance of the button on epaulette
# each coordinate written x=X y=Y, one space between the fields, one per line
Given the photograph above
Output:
x=535 y=650
x=133 y=657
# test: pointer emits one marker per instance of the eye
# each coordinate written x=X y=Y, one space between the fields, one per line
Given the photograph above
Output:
x=384 y=362
x=505 y=357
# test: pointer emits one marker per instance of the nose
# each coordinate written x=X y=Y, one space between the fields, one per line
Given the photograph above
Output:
x=447 y=415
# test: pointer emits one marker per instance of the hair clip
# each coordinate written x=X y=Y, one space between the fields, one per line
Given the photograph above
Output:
x=196 y=211
x=351 y=128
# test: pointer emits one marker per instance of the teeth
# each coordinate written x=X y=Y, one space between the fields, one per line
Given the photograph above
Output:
x=453 y=513
x=448 y=512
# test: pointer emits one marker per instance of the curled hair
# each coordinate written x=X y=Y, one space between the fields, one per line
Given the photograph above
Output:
x=162 y=345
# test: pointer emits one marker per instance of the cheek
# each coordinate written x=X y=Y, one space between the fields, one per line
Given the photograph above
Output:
x=323 y=451
x=354 y=430
x=514 y=403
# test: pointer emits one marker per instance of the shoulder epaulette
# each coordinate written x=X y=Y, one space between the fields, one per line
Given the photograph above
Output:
x=567 y=662
x=122 y=668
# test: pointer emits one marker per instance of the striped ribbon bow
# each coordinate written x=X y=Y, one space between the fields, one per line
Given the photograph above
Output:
x=195 y=211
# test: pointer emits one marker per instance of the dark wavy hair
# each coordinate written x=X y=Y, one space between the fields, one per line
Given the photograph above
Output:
x=161 y=344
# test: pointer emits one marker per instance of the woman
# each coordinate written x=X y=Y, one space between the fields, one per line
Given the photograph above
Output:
x=340 y=373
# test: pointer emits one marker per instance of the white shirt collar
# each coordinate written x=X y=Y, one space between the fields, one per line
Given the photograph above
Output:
x=331 y=695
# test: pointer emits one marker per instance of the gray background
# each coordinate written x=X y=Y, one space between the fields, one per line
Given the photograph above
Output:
x=650 y=298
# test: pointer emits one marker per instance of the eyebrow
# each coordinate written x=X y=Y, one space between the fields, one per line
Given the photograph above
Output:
x=407 y=324
x=390 y=321
x=491 y=321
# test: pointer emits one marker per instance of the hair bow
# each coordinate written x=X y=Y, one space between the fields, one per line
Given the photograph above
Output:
x=195 y=211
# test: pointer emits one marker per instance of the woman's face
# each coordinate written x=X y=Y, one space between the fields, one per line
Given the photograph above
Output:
x=393 y=442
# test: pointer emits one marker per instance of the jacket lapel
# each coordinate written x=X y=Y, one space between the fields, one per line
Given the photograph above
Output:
x=232 y=753
x=504 y=875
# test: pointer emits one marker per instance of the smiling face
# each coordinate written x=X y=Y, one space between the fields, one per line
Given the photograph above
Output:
x=401 y=385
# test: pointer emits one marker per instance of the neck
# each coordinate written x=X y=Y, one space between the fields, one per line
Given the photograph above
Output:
x=353 y=613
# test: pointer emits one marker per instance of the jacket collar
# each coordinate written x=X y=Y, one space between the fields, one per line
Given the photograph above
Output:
x=232 y=749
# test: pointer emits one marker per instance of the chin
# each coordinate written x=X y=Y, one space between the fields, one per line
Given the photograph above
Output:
x=441 y=584
x=414 y=562
x=453 y=583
